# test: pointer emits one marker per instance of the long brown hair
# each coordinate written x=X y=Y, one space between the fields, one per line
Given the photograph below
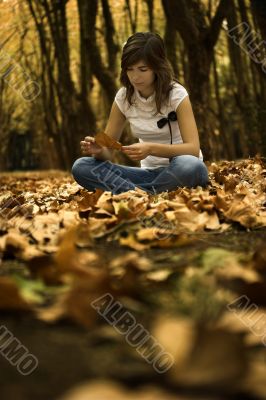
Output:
x=148 y=47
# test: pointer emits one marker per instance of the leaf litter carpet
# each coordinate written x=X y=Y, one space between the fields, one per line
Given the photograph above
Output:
x=189 y=265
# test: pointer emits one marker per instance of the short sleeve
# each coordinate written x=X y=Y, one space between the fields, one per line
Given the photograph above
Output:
x=120 y=99
x=178 y=93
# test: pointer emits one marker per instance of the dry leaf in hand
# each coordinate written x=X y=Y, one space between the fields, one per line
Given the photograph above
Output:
x=104 y=140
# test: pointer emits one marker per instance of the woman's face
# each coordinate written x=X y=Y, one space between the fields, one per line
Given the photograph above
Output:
x=141 y=76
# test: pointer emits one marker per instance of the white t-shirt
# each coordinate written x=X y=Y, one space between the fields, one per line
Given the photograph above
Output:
x=143 y=122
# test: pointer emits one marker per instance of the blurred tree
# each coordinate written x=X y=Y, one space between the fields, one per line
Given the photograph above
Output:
x=150 y=5
x=109 y=35
x=75 y=113
x=199 y=37
x=240 y=78
x=259 y=9
x=170 y=40
x=87 y=17
x=133 y=18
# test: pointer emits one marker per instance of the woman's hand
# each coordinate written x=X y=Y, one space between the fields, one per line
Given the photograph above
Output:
x=137 y=151
x=88 y=146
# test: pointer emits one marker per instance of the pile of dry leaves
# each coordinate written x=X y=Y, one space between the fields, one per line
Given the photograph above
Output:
x=37 y=209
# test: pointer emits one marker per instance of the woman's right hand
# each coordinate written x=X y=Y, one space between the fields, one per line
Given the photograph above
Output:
x=89 y=146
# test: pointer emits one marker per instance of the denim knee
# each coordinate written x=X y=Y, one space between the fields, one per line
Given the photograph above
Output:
x=190 y=170
x=80 y=164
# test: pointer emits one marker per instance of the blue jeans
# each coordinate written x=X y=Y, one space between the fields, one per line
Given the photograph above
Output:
x=185 y=170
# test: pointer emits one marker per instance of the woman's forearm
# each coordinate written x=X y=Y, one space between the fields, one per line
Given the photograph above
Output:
x=172 y=150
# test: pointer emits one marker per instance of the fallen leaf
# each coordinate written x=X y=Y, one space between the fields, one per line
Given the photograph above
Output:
x=10 y=297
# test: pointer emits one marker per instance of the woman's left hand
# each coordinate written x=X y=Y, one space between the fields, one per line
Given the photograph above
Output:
x=137 y=151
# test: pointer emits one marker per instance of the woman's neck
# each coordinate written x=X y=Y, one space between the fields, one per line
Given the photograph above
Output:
x=146 y=93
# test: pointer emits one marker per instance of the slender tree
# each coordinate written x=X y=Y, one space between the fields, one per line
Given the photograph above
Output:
x=109 y=35
x=87 y=13
x=150 y=5
x=133 y=16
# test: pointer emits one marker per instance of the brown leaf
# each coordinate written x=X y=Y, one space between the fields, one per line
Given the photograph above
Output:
x=203 y=356
x=10 y=298
x=108 y=390
x=89 y=200
x=255 y=382
x=106 y=141
x=68 y=258
x=242 y=213
x=77 y=303
x=43 y=267
x=259 y=260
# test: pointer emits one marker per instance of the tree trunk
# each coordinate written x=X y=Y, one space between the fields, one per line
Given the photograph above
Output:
x=48 y=86
x=170 y=41
x=150 y=5
x=103 y=74
x=258 y=8
x=132 y=18
x=86 y=82
x=199 y=40
x=228 y=149
x=109 y=33
x=71 y=125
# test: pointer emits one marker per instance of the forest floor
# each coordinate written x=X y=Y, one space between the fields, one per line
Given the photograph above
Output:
x=186 y=269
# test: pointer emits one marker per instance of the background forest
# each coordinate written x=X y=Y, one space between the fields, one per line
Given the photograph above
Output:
x=59 y=70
